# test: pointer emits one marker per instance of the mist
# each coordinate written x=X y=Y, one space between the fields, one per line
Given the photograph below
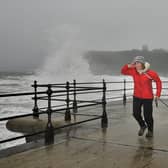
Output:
x=28 y=27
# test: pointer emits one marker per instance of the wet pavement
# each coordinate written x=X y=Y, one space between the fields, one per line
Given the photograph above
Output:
x=90 y=146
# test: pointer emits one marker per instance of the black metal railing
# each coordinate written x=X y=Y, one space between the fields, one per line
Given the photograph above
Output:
x=50 y=95
x=67 y=93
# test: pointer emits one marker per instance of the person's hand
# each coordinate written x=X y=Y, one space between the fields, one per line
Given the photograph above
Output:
x=156 y=100
x=131 y=65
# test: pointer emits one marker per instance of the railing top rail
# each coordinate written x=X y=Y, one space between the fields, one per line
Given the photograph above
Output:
x=84 y=83
x=78 y=88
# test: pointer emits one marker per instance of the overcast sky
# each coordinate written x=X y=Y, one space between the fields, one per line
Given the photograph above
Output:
x=28 y=28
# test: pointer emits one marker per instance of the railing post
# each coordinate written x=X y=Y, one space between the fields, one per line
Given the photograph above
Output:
x=75 y=110
x=104 y=121
x=35 y=109
x=49 y=134
x=124 y=96
x=67 y=113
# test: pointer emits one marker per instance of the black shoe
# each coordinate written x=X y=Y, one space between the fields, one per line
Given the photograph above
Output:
x=141 y=131
x=149 y=134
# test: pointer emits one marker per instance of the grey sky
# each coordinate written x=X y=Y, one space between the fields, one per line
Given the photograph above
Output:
x=27 y=27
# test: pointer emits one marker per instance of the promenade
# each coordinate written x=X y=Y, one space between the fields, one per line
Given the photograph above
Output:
x=90 y=146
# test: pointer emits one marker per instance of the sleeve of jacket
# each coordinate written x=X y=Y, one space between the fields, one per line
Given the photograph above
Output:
x=126 y=70
x=156 y=78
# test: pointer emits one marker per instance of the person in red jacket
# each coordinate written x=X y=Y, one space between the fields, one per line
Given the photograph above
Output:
x=143 y=92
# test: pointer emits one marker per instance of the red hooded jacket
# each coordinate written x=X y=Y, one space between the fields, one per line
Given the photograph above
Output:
x=143 y=82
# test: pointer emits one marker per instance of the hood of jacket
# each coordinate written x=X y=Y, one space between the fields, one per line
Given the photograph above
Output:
x=147 y=66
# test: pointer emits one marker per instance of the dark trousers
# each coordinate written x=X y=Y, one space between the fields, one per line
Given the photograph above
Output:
x=147 y=112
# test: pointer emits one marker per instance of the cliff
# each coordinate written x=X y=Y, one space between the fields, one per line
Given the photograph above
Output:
x=110 y=62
